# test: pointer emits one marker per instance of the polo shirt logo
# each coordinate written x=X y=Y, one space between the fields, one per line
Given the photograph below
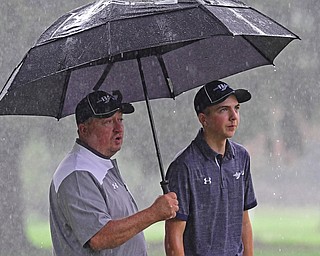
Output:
x=238 y=174
x=115 y=185
x=207 y=181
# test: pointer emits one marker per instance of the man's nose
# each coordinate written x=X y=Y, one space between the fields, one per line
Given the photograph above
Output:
x=234 y=114
x=117 y=125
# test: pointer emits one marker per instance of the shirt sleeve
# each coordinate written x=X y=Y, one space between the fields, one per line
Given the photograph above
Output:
x=177 y=175
x=82 y=202
x=250 y=200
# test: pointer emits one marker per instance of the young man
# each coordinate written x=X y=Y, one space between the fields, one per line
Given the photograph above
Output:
x=212 y=180
x=91 y=210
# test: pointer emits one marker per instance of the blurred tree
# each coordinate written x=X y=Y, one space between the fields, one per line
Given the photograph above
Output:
x=295 y=80
x=22 y=22
x=11 y=210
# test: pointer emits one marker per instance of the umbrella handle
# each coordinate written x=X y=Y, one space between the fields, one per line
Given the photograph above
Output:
x=165 y=186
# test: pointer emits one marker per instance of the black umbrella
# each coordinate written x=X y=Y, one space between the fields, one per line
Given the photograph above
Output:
x=168 y=47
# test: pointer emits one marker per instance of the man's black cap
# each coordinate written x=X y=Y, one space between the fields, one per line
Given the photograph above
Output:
x=100 y=104
x=216 y=92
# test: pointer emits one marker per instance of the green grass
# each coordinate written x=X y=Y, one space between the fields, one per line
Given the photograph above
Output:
x=286 y=231
x=277 y=232
x=290 y=226
x=38 y=233
x=155 y=233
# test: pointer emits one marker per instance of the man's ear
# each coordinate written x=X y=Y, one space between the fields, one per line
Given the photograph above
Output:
x=82 y=129
x=202 y=119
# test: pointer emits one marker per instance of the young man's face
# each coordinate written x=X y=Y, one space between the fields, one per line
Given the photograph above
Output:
x=221 y=121
x=104 y=134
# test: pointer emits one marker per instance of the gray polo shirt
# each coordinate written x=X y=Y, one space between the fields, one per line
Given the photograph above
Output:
x=86 y=192
x=212 y=192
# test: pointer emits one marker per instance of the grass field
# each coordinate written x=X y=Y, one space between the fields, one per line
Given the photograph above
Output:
x=277 y=232
x=286 y=231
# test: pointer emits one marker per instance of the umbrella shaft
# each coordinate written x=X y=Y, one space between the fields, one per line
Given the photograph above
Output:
x=164 y=183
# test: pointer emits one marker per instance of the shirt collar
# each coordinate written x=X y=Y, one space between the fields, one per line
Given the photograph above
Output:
x=210 y=153
x=85 y=145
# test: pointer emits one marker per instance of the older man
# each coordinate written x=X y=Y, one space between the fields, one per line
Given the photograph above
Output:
x=91 y=209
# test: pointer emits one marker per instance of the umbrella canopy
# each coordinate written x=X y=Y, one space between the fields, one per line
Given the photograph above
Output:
x=147 y=50
x=181 y=45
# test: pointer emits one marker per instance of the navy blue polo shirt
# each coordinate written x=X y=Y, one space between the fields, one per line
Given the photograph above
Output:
x=213 y=192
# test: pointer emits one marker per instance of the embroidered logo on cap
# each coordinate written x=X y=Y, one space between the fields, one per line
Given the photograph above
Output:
x=105 y=99
x=221 y=87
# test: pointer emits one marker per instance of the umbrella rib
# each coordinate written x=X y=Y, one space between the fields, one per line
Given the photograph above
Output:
x=166 y=75
x=12 y=76
x=267 y=17
x=216 y=19
x=63 y=96
x=258 y=50
x=103 y=76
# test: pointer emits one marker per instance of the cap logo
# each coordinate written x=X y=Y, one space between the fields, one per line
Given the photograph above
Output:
x=105 y=99
x=221 y=87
